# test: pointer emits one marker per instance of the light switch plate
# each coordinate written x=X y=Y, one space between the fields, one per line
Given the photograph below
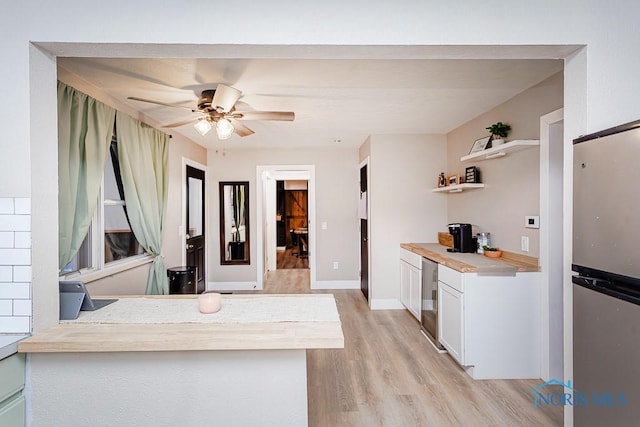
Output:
x=532 y=221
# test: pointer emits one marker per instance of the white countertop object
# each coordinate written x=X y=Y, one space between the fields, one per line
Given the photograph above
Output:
x=9 y=344
x=174 y=323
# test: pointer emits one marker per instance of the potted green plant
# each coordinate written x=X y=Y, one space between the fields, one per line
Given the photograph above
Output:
x=491 y=252
x=236 y=246
x=499 y=131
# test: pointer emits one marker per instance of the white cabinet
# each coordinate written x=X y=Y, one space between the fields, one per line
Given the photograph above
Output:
x=405 y=281
x=415 y=288
x=491 y=324
x=450 y=322
x=410 y=281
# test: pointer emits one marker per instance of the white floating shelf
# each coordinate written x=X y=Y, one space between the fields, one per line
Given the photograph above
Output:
x=458 y=188
x=501 y=150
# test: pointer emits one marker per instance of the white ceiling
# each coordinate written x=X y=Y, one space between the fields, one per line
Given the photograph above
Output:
x=334 y=99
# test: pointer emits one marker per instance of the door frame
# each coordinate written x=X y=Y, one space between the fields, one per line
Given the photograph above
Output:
x=183 y=221
x=366 y=162
x=551 y=247
x=266 y=175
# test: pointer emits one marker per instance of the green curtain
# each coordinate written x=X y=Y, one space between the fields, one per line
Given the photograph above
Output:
x=85 y=128
x=143 y=154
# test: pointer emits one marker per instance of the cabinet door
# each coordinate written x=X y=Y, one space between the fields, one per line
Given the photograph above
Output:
x=451 y=321
x=12 y=412
x=405 y=281
x=415 y=287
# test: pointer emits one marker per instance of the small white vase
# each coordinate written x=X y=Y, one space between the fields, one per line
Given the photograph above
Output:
x=496 y=142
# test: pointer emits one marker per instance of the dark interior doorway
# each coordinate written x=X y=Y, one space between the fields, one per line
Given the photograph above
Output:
x=364 y=246
x=291 y=224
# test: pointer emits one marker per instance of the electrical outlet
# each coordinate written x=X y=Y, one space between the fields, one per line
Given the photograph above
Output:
x=335 y=265
x=524 y=243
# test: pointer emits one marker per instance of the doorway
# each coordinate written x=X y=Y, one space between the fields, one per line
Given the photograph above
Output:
x=195 y=236
x=364 y=229
x=266 y=220
x=551 y=243
x=291 y=224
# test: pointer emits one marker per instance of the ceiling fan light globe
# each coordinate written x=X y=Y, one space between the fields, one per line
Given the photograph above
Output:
x=202 y=126
x=224 y=129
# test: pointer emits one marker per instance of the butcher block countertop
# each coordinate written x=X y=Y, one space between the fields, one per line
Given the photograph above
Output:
x=145 y=323
x=509 y=264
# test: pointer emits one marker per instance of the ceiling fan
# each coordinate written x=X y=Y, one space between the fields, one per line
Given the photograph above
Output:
x=216 y=107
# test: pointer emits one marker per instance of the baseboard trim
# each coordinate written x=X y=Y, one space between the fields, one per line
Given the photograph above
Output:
x=336 y=284
x=232 y=286
x=386 y=304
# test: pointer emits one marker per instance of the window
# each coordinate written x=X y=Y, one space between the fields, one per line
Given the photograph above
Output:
x=109 y=241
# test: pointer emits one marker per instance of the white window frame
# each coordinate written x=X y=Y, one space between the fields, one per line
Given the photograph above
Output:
x=99 y=269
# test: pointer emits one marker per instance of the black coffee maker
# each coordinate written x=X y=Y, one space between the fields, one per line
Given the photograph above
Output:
x=462 y=238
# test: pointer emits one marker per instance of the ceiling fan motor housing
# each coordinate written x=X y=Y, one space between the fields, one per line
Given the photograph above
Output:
x=204 y=103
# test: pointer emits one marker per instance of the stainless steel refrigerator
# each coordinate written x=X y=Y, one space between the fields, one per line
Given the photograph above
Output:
x=606 y=284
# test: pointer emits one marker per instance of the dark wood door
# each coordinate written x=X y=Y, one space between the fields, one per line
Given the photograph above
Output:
x=364 y=243
x=196 y=242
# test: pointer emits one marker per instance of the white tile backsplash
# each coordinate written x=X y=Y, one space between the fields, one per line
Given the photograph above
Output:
x=22 y=206
x=15 y=265
x=21 y=274
x=22 y=239
x=7 y=205
x=15 y=290
x=22 y=307
x=6 y=273
x=15 y=256
x=6 y=307
x=15 y=222
x=15 y=324
x=6 y=239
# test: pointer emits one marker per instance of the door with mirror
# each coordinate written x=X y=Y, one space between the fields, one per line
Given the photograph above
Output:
x=195 y=237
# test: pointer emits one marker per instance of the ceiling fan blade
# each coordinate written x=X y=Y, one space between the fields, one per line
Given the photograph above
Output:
x=240 y=129
x=181 y=123
x=160 y=103
x=225 y=98
x=286 y=116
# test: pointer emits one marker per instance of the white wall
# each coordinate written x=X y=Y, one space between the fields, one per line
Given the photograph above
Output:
x=601 y=83
x=609 y=32
x=402 y=171
x=512 y=183
x=336 y=175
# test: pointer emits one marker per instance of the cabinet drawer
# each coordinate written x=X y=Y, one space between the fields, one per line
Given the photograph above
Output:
x=12 y=412
x=453 y=278
x=11 y=375
x=411 y=258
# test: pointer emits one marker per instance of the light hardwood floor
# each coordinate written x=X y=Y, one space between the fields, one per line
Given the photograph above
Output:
x=289 y=259
x=389 y=375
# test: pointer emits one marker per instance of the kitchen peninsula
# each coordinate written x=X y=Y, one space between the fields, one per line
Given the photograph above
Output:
x=159 y=361
x=488 y=310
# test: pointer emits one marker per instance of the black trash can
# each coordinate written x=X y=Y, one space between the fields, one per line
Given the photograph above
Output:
x=182 y=280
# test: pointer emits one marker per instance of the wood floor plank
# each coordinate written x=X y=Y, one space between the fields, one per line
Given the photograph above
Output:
x=288 y=259
x=388 y=374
